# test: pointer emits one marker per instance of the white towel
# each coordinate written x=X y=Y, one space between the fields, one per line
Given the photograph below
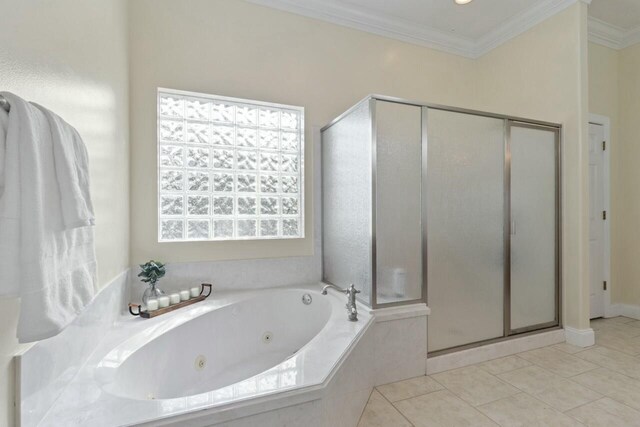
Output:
x=50 y=267
x=72 y=171
x=4 y=121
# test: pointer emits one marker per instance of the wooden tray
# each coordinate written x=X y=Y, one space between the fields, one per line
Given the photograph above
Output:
x=160 y=311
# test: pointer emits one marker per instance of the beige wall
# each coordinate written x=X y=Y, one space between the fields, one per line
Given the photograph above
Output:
x=604 y=73
x=542 y=74
x=71 y=56
x=614 y=91
x=628 y=197
x=239 y=49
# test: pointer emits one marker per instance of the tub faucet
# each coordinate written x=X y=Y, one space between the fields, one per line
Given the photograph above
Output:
x=351 y=292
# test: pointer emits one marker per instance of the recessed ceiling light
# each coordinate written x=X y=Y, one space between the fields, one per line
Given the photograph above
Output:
x=463 y=1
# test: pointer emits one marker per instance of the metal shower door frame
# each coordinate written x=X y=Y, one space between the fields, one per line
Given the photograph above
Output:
x=509 y=122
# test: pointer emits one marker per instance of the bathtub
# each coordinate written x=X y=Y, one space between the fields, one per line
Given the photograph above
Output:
x=246 y=355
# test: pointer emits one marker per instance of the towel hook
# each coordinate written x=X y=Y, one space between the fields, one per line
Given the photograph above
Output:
x=4 y=104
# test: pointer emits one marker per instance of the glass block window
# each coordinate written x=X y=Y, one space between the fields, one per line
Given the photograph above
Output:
x=228 y=168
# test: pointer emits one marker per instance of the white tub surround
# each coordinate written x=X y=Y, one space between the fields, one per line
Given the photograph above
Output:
x=241 y=355
x=45 y=369
x=400 y=335
x=492 y=351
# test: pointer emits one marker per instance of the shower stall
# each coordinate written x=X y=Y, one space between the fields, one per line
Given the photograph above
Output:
x=456 y=208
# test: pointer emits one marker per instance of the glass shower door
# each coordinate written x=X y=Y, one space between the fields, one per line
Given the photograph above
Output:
x=534 y=281
x=465 y=223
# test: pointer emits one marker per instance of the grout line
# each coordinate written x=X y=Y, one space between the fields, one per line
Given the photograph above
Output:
x=605 y=397
x=596 y=365
x=479 y=365
x=561 y=378
x=396 y=409
x=534 y=396
x=417 y=395
x=539 y=400
x=365 y=406
x=490 y=374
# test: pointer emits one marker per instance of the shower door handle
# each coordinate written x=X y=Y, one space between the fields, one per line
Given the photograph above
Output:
x=513 y=228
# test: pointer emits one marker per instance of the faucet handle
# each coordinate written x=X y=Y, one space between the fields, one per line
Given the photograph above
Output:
x=353 y=289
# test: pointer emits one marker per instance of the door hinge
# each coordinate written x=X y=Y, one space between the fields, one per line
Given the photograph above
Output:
x=604 y=215
x=604 y=285
x=604 y=145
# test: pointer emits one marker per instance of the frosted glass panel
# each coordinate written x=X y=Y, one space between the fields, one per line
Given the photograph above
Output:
x=533 y=230
x=465 y=220
x=398 y=202
x=346 y=201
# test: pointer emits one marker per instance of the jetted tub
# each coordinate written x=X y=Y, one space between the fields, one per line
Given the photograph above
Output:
x=216 y=349
x=231 y=356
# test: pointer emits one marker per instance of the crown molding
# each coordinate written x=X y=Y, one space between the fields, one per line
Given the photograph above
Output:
x=338 y=13
x=605 y=34
x=521 y=23
x=394 y=28
x=612 y=36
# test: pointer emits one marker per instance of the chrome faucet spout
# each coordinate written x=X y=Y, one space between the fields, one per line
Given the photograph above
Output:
x=324 y=289
x=351 y=292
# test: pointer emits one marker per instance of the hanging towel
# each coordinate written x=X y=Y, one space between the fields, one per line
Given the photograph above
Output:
x=51 y=267
x=9 y=213
x=72 y=171
x=4 y=121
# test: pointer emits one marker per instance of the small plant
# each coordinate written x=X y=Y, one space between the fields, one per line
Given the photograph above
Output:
x=152 y=271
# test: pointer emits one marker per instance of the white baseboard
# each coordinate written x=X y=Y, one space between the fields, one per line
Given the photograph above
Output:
x=627 y=310
x=579 y=337
x=496 y=350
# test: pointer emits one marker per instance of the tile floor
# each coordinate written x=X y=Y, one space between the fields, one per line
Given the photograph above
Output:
x=554 y=386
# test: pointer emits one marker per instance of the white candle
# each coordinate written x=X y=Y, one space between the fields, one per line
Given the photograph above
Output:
x=195 y=291
x=163 y=301
x=152 y=305
x=175 y=298
x=184 y=295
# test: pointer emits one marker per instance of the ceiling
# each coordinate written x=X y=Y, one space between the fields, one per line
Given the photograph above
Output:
x=615 y=23
x=624 y=14
x=470 y=30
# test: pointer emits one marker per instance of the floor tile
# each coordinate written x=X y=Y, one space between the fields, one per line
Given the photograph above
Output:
x=614 y=360
x=568 y=348
x=523 y=410
x=635 y=323
x=558 y=362
x=504 y=364
x=380 y=413
x=619 y=319
x=559 y=392
x=409 y=388
x=629 y=346
x=620 y=330
x=612 y=384
x=597 y=323
x=606 y=412
x=442 y=409
x=474 y=385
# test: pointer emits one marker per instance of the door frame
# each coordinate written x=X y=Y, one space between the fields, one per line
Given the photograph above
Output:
x=605 y=122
